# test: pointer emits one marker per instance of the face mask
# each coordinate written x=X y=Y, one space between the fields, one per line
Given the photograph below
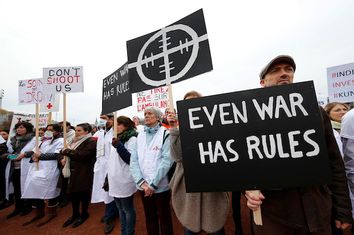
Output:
x=48 y=134
x=102 y=124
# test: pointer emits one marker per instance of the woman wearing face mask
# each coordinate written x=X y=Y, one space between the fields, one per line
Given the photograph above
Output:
x=99 y=193
x=20 y=143
x=43 y=175
x=150 y=163
x=121 y=183
x=82 y=155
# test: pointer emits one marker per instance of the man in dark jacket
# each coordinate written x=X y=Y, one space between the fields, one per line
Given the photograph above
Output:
x=303 y=210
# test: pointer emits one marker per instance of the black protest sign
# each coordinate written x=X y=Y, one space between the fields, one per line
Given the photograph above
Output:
x=115 y=93
x=169 y=55
x=255 y=139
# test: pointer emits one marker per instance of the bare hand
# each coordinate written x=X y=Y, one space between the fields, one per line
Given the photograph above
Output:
x=342 y=225
x=171 y=119
x=147 y=190
x=19 y=157
x=35 y=157
x=63 y=161
x=254 y=200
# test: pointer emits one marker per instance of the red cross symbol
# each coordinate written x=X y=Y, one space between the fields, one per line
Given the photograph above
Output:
x=49 y=106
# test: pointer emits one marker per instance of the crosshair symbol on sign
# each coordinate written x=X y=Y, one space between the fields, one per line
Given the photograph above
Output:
x=166 y=67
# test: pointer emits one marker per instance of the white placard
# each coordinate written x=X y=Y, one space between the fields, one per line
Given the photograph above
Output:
x=30 y=91
x=156 y=97
x=63 y=79
x=51 y=104
x=340 y=81
x=18 y=117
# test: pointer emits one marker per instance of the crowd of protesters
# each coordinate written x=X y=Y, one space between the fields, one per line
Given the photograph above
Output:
x=145 y=157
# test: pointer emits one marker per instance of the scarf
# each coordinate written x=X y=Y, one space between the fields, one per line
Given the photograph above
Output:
x=152 y=130
x=79 y=140
x=336 y=125
x=127 y=134
x=18 y=142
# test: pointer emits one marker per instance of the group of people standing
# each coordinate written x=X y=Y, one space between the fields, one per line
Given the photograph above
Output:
x=35 y=171
x=111 y=169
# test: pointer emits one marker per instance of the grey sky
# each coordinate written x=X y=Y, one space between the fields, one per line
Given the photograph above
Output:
x=243 y=37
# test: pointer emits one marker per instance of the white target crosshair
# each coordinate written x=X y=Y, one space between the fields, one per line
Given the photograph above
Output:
x=166 y=66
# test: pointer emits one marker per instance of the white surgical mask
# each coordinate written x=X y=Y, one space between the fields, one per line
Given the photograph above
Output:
x=102 y=123
x=48 y=134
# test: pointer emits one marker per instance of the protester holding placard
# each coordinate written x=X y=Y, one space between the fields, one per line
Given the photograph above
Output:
x=302 y=210
x=81 y=158
x=99 y=192
x=121 y=183
x=205 y=211
x=149 y=165
x=63 y=197
x=347 y=135
x=43 y=175
x=20 y=143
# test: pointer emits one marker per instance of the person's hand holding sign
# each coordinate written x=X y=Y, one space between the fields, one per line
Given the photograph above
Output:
x=35 y=157
x=254 y=200
x=172 y=120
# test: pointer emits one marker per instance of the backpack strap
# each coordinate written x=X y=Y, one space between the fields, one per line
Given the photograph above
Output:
x=165 y=137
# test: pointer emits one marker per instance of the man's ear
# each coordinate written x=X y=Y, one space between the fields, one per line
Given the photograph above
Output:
x=262 y=82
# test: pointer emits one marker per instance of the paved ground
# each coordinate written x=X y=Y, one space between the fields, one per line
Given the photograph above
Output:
x=93 y=225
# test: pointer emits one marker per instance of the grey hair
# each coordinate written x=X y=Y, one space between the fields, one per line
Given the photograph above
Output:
x=155 y=110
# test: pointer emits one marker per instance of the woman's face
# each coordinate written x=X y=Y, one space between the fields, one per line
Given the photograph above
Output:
x=120 y=128
x=79 y=131
x=40 y=132
x=337 y=112
x=150 y=118
x=4 y=135
x=21 y=130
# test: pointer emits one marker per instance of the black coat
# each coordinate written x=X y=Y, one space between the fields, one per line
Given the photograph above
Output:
x=82 y=161
x=313 y=208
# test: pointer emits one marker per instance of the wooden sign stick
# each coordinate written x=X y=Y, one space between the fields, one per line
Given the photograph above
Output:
x=115 y=125
x=49 y=118
x=170 y=98
x=257 y=214
x=64 y=124
x=37 y=134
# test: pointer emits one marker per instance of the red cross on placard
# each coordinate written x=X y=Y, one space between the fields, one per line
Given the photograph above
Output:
x=49 y=105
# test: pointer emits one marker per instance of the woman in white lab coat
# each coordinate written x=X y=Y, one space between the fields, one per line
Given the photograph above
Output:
x=121 y=183
x=43 y=175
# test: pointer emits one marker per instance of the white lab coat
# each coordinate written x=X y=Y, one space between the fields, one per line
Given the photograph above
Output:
x=104 y=143
x=24 y=168
x=121 y=182
x=42 y=183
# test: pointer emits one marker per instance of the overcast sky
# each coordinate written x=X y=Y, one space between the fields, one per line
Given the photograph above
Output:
x=243 y=37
